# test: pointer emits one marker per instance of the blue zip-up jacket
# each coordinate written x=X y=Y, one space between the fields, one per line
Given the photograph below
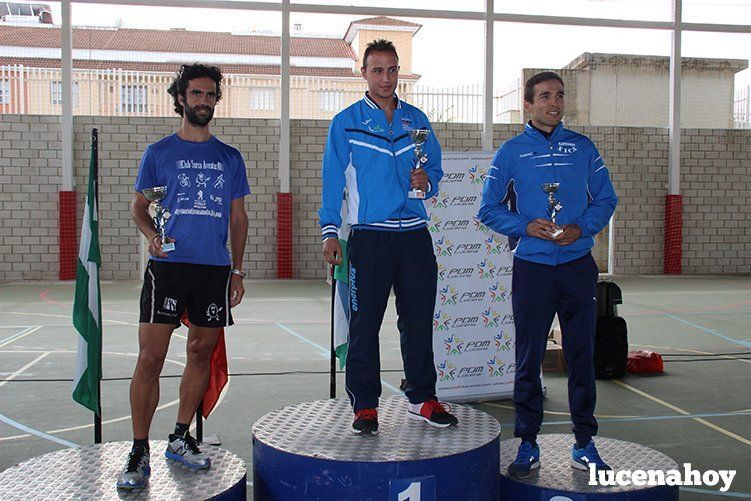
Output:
x=513 y=196
x=373 y=160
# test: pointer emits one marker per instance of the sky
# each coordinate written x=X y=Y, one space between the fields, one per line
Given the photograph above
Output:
x=457 y=59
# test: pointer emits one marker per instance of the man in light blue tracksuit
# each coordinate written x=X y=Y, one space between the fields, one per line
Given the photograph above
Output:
x=554 y=271
x=370 y=154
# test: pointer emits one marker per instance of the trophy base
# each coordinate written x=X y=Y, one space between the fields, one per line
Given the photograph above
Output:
x=419 y=194
x=555 y=233
x=168 y=246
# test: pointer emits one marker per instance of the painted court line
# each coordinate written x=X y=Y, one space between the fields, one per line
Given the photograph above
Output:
x=745 y=344
x=19 y=335
x=327 y=354
x=708 y=492
x=104 y=320
x=649 y=418
x=683 y=412
x=23 y=427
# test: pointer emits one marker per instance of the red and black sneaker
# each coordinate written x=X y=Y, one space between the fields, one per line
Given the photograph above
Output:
x=434 y=413
x=366 y=422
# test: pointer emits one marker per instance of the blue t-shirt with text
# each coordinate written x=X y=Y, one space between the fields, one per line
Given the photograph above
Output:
x=202 y=179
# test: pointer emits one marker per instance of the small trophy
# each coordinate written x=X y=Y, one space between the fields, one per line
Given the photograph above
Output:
x=554 y=206
x=159 y=213
x=419 y=136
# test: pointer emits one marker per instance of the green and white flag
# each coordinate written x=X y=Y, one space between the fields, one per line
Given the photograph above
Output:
x=87 y=306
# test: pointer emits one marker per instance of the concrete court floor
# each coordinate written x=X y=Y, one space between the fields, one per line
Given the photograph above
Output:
x=697 y=412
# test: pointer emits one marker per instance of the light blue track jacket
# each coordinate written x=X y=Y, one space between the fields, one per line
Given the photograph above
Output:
x=513 y=196
x=373 y=159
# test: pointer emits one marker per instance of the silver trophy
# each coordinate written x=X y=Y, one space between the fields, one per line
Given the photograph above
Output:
x=419 y=136
x=554 y=206
x=159 y=214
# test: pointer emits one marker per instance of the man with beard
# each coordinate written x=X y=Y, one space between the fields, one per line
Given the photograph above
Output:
x=206 y=184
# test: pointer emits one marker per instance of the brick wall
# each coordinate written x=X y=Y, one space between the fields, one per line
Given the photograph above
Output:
x=715 y=184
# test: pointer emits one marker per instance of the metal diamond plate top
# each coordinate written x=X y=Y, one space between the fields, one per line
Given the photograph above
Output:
x=556 y=473
x=91 y=472
x=323 y=429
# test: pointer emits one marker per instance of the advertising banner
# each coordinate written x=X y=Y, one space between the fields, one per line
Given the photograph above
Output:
x=473 y=324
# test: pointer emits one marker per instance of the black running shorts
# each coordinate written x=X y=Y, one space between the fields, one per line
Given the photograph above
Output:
x=171 y=288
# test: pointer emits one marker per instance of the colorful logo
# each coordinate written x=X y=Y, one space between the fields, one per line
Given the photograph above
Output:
x=485 y=269
x=441 y=321
x=490 y=318
x=502 y=341
x=476 y=175
x=493 y=247
x=443 y=247
x=479 y=226
x=496 y=368
x=498 y=293
x=453 y=345
x=446 y=371
x=441 y=272
x=434 y=226
x=447 y=296
x=440 y=202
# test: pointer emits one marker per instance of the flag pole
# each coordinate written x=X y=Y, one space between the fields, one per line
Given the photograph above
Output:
x=332 y=368
x=98 y=413
x=199 y=422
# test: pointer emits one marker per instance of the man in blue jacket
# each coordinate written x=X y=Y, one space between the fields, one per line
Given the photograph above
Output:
x=554 y=271
x=369 y=153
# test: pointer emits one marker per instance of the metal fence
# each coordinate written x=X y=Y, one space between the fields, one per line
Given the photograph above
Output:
x=742 y=108
x=118 y=92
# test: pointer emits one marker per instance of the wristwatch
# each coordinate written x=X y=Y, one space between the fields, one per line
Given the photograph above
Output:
x=242 y=274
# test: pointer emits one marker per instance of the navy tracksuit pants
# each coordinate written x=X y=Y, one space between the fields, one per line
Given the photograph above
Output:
x=379 y=260
x=539 y=292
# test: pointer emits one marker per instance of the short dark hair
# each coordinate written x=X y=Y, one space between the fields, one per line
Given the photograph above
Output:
x=188 y=72
x=529 y=85
x=380 y=45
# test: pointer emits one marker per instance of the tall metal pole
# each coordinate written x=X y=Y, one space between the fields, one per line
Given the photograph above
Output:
x=66 y=119
x=332 y=360
x=674 y=119
x=95 y=161
x=284 y=122
x=487 y=126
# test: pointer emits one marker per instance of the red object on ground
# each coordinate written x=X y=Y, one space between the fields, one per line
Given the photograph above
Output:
x=644 y=362
x=284 y=235
x=218 y=372
x=673 y=234
x=67 y=235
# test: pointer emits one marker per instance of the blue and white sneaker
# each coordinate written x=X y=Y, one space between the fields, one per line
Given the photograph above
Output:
x=185 y=450
x=527 y=459
x=137 y=470
x=582 y=458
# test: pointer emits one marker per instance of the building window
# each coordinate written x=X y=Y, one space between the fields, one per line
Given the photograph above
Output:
x=4 y=91
x=134 y=98
x=330 y=100
x=57 y=93
x=262 y=98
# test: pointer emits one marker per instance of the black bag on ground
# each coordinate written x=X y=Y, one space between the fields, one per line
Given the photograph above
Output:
x=611 y=347
x=611 y=333
x=608 y=296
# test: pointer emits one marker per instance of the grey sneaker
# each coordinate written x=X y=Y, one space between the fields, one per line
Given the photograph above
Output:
x=137 y=470
x=185 y=450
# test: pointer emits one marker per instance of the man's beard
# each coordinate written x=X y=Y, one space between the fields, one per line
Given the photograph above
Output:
x=196 y=119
